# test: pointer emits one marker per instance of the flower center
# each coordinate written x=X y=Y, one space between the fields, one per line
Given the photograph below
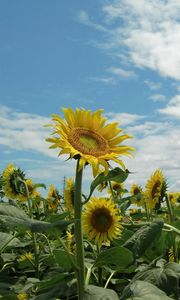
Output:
x=88 y=142
x=101 y=220
x=137 y=191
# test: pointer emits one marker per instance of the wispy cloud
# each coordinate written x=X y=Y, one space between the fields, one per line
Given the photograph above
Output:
x=154 y=86
x=105 y=80
x=157 y=98
x=122 y=73
x=84 y=18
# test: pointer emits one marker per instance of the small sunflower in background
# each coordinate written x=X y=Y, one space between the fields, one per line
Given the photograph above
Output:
x=22 y=296
x=69 y=195
x=53 y=198
x=26 y=256
x=137 y=191
x=117 y=188
x=70 y=241
x=84 y=135
x=101 y=220
x=33 y=193
x=173 y=198
x=12 y=183
x=155 y=190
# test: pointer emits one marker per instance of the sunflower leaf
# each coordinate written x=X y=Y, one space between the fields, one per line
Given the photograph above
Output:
x=93 y=292
x=117 y=174
x=144 y=237
x=117 y=258
x=141 y=290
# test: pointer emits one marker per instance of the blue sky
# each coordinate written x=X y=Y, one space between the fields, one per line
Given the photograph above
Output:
x=120 y=55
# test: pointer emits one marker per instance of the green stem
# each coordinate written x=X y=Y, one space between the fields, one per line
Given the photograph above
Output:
x=170 y=211
x=78 y=232
x=108 y=280
x=99 y=269
x=36 y=253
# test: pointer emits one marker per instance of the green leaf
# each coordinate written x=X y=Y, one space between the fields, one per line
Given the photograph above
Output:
x=141 y=290
x=93 y=292
x=165 y=276
x=116 y=174
x=40 y=185
x=12 y=217
x=8 y=240
x=117 y=258
x=144 y=237
x=63 y=260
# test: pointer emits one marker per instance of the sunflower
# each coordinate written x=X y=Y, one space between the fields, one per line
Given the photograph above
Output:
x=117 y=188
x=84 y=135
x=26 y=256
x=12 y=183
x=101 y=220
x=33 y=193
x=137 y=192
x=53 y=198
x=69 y=195
x=155 y=189
x=22 y=296
x=173 y=198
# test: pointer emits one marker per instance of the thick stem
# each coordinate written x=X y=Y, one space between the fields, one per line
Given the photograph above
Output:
x=78 y=232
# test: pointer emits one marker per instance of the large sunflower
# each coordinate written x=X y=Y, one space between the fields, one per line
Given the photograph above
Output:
x=155 y=189
x=83 y=134
x=101 y=220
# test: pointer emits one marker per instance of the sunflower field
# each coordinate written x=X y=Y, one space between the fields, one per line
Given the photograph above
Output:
x=123 y=244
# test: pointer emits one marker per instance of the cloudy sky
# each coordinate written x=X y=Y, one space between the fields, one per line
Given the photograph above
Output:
x=119 y=55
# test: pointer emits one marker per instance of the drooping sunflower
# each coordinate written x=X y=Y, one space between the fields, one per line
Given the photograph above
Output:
x=137 y=191
x=155 y=189
x=101 y=220
x=84 y=135
x=33 y=193
x=53 y=198
x=12 y=183
x=69 y=195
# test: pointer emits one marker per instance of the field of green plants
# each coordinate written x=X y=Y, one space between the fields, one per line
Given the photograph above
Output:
x=123 y=244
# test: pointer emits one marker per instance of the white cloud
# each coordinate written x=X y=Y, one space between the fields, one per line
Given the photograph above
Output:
x=149 y=30
x=22 y=131
x=173 y=108
x=157 y=97
x=122 y=73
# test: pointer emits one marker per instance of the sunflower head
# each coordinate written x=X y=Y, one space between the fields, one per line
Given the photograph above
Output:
x=137 y=193
x=69 y=195
x=33 y=193
x=22 y=296
x=13 y=180
x=117 y=188
x=173 y=198
x=26 y=256
x=101 y=220
x=84 y=135
x=156 y=188
x=53 y=198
